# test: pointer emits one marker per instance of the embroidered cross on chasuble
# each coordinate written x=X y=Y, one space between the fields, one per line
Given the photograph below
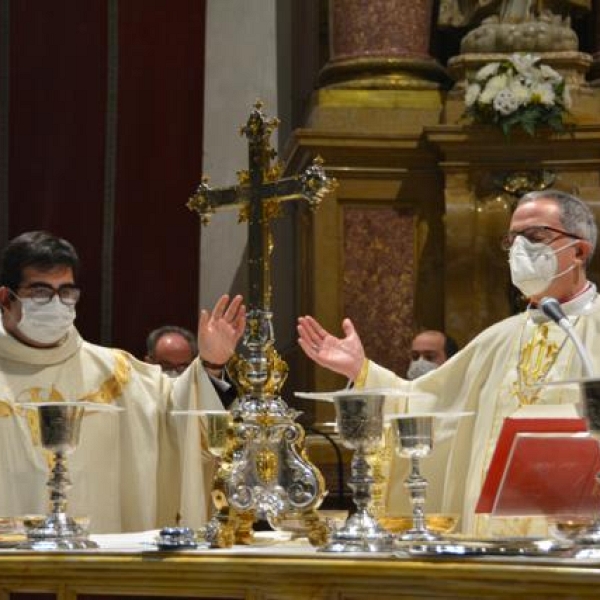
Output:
x=541 y=353
x=536 y=357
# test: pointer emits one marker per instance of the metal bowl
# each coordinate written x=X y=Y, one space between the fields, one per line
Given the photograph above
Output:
x=441 y=524
x=569 y=527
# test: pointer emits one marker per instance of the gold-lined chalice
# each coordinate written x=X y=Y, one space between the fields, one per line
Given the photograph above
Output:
x=217 y=427
x=217 y=423
x=60 y=426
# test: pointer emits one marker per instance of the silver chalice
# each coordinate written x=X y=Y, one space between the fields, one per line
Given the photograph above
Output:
x=414 y=437
x=60 y=425
x=415 y=434
x=359 y=417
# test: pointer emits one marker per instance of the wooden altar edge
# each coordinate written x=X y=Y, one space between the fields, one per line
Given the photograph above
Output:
x=159 y=575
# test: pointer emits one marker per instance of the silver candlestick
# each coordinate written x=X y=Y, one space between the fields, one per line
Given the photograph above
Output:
x=60 y=425
x=414 y=436
x=359 y=417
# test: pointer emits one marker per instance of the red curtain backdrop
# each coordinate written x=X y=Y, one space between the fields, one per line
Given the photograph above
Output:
x=61 y=59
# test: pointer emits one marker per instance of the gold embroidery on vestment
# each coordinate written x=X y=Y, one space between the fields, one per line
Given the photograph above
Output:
x=112 y=388
x=108 y=391
x=535 y=361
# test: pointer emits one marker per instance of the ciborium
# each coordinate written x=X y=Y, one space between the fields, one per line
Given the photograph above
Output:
x=60 y=425
x=359 y=417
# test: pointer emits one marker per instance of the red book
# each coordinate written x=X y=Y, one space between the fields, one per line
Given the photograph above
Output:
x=542 y=466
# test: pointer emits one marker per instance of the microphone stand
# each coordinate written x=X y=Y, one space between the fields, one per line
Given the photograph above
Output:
x=552 y=309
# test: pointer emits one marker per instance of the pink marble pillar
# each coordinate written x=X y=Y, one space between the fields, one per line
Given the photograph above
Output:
x=379 y=44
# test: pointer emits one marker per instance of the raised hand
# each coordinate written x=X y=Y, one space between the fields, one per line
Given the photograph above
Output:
x=342 y=355
x=220 y=330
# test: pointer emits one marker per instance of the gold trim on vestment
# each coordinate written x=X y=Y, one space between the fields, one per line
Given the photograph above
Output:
x=108 y=391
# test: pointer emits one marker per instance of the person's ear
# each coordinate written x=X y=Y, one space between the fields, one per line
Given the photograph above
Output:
x=583 y=250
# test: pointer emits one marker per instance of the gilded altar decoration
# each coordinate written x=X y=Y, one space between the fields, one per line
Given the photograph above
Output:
x=518 y=92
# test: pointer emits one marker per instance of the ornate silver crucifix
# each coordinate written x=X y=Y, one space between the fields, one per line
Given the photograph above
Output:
x=266 y=474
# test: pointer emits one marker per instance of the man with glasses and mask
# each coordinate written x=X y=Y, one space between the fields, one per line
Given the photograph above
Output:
x=133 y=470
x=550 y=243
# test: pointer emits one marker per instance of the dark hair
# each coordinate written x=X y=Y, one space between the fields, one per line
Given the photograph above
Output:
x=38 y=249
x=450 y=346
x=156 y=334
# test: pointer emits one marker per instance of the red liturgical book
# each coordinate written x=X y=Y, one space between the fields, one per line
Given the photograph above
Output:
x=542 y=466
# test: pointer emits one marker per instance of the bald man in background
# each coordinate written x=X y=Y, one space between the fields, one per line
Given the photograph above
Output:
x=171 y=347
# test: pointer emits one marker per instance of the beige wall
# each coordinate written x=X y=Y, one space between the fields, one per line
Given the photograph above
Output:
x=247 y=58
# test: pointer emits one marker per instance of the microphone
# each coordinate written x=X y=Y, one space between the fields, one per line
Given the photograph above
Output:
x=552 y=309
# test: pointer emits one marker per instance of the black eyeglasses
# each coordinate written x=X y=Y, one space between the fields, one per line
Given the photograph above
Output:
x=537 y=234
x=42 y=294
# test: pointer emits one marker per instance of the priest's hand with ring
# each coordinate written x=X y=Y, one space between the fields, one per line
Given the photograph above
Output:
x=341 y=355
x=219 y=331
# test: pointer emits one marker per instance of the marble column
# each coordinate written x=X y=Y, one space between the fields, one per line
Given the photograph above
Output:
x=381 y=44
x=594 y=72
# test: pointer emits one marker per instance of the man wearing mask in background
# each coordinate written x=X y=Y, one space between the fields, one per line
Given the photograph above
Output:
x=133 y=470
x=550 y=243
x=428 y=350
x=174 y=348
x=171 y=347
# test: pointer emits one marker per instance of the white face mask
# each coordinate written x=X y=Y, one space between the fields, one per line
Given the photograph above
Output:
x=171 y=373
x=45 y=323
x=533 y=265
x=419 y=367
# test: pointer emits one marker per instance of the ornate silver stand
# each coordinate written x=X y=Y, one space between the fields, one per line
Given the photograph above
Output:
x=414 y=435
x=359 y=417
x=60 y=424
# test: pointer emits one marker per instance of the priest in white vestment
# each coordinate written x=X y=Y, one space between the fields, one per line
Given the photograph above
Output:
x=551 y=239
x=133 y=470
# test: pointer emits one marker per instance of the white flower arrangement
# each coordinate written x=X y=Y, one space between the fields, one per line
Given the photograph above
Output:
x=518 y=91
